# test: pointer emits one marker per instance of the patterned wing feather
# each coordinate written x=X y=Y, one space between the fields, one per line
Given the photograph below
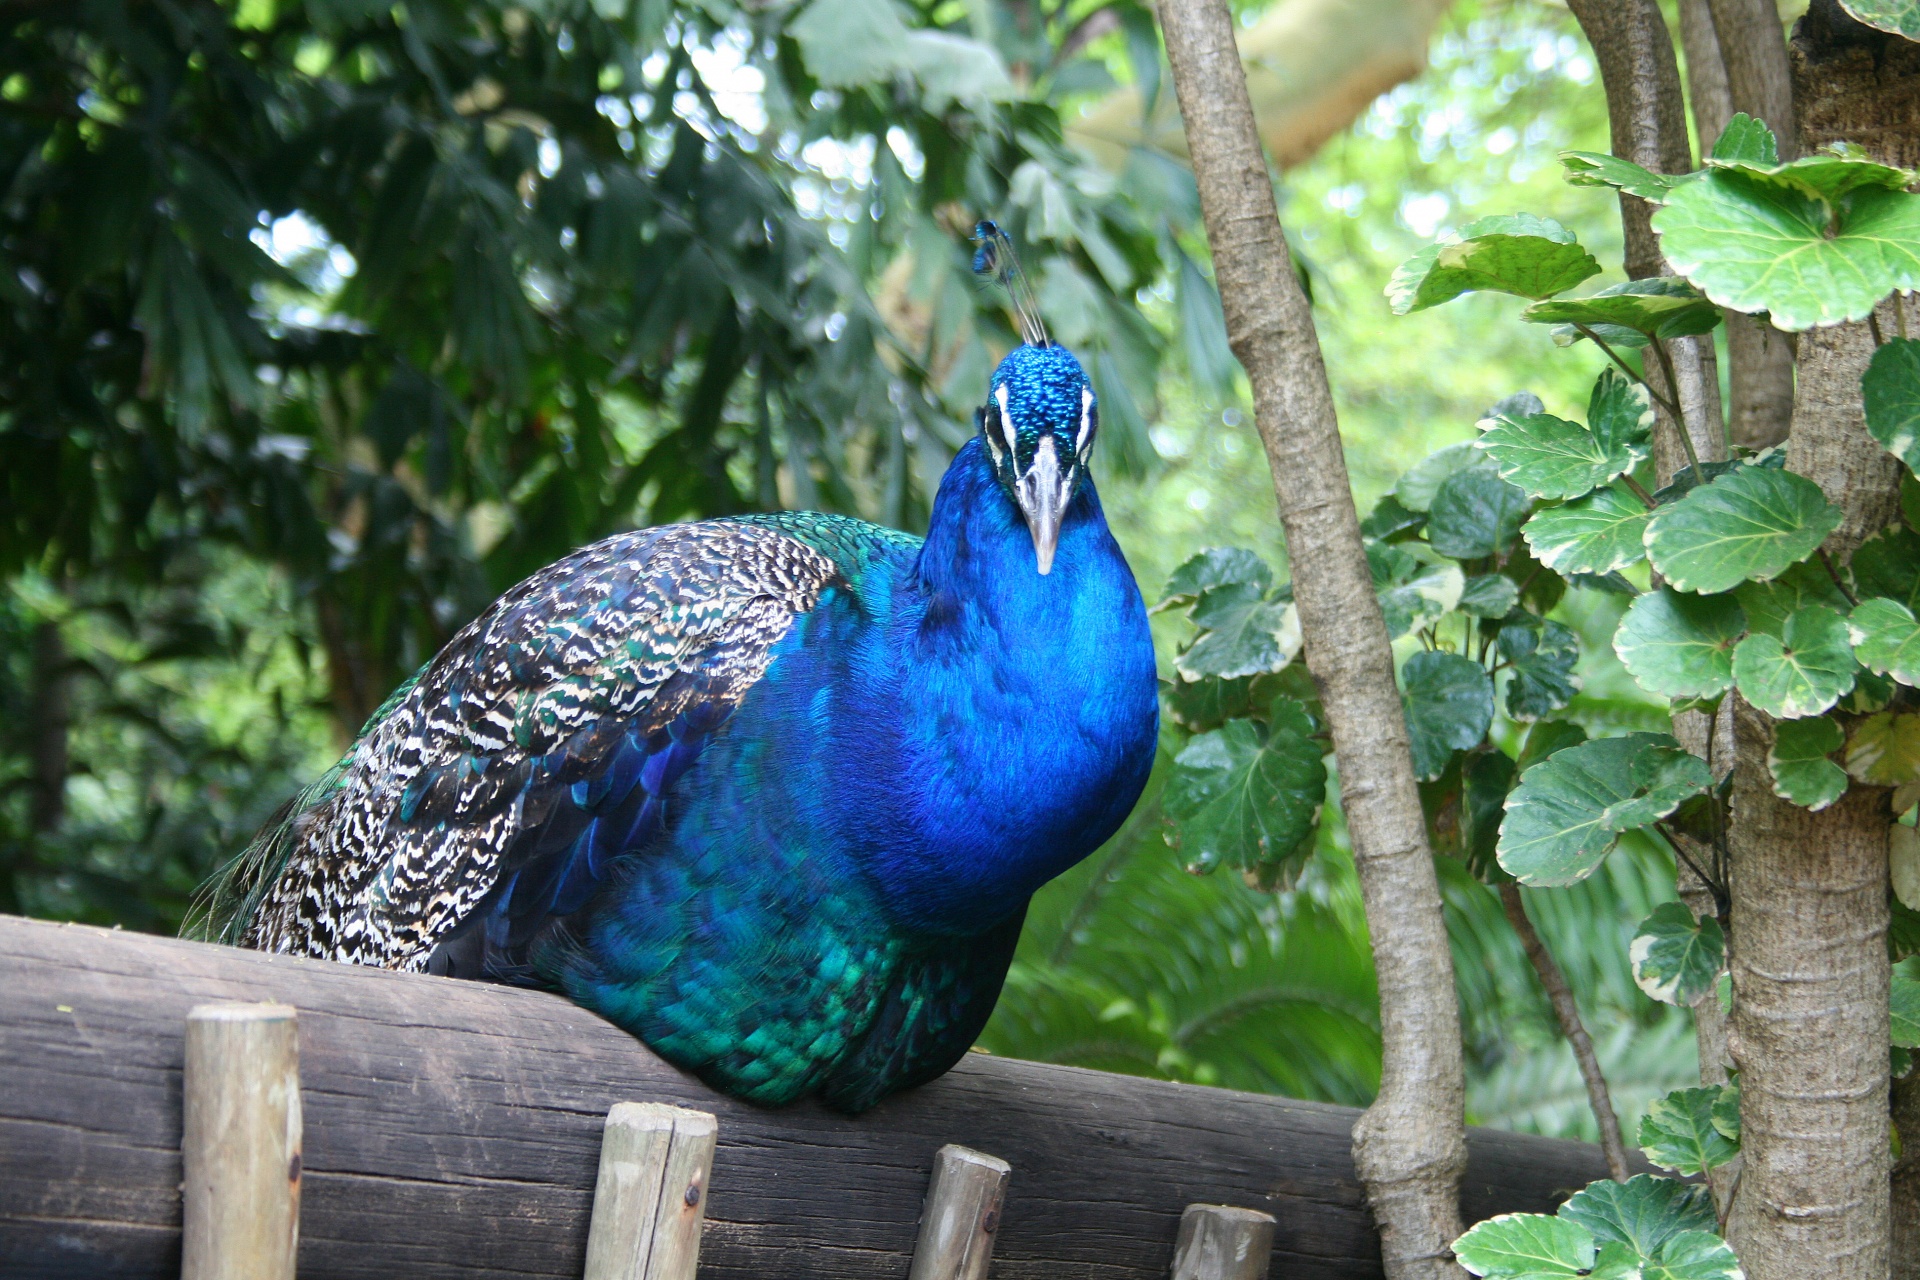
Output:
x=487 y=803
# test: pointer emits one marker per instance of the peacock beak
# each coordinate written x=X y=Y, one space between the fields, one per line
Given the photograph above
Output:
x=1042 y=494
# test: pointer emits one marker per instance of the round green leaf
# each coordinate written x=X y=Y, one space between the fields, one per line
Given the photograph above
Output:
x=1807 y=669
x=1675 y=957
x=1416 y=486
x=1389 y=517
x=1903 y=859
x=1754 y=245
x=1238 y=797
x=1546 y=737
x=1643 y=1213
x=1663 y=307
x=1550 y=457
x=1884 y=749
x=1726 y=1109
x=1598 y=169
x=1890 y=393
x=1449 y=706
x=1830 y=175
x=1769 y=604
x=1905 y=1008
x=1475 y=513
x=1620 y=414
x=1414 y=592
x=1902 y=17
x=1888 y=564
x=1798 y=762
x=1678 y=1133
x=1241 y=634
x=1489 y=595
x=1680 y=646
x=1215 y=567
x=1568 y=810
x=1694 y=1255
x=1599 y=533
x=1542 y=655
x=1746 y=141
x=1887 y=639
x=1518 y=253
x=1749 y=523
x=1526 y=1246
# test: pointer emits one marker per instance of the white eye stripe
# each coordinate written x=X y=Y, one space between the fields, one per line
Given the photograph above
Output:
x=1086 y=420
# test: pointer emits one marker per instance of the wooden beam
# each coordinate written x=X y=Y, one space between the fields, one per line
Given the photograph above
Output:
x=651 y=1196
x=453 y=1133
x=1219 y=1242
x=240 y=1142
x=960 y=1216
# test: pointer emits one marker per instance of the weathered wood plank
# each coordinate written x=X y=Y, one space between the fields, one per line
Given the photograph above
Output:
x=960 y=1216
x=453 y=1130
x=240 y=1142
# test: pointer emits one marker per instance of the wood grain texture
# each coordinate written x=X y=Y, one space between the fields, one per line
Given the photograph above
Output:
x=453 y=1131
x=1219 y=1242
x=650 y=1198
x=965 y=1197
x=240 y=1142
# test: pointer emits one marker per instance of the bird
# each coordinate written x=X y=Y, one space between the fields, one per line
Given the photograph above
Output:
x=771 y=791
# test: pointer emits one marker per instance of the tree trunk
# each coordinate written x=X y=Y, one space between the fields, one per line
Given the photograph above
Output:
x=1409 y=1148
x=48 y=718
x=1759 y=357
x=1809 y=890
x=1646 y=113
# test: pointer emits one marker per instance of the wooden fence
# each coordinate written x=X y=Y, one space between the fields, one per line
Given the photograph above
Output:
x=454 y=1129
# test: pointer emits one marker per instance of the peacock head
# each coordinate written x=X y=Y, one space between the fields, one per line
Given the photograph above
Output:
x=1040 y=417
x=1039 y=423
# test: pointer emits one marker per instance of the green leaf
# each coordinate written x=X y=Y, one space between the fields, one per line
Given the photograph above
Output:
x=1239 y=797
x=1546 y=737
x=1642 y=1213
x=1525 y=1246
x=1884 y=749
x=1475 y=513
x=1486 y=778
x=1620 y=414
x=1754 y=244
x=1749 y=523
x=1542 y=655
x=1241 y=634
x=1675 y=957
x=1389 y=517
x=1680 y=646
x=1414 y=591
x=1550 y=457
x=1888 y=564
x=1599 y=533
x=1726 y=1110
x=1798 y=762
x=1904 y=1006
x=1215 y=567
x=1200 y=705
x=1597 y=169
x=1678 y=1133
x=1518 y=254
x=1663 y=307
x=1567 y=812
x=1903 y=860
x=1489 y=595
x=1890 y=393
x=1803 y=671
x=1694 y=1255
x=1902 y=17
x=821 y=32
x=1449 y=706
x=1886 y=639
x=1416 y=488
x=1829 y=176
x=1769 y=604
x=1746 y=141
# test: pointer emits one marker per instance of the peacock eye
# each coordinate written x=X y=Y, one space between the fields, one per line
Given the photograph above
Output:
x=993 y=427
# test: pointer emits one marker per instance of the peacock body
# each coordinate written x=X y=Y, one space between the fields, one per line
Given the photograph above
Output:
x=771 y=792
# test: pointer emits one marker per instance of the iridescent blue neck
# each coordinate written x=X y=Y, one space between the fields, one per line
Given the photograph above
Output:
x=1028 y=703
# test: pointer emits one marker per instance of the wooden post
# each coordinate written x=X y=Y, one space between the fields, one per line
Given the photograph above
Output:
x=1218 y=1242
x=240 y=1146
x=655 y=1162
x=961 y=1213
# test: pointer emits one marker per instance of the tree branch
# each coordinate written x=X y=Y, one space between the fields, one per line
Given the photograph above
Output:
x=1410 y=1146
x=1560 y=995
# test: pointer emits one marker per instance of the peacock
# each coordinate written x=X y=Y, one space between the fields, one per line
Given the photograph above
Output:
x=771 y=792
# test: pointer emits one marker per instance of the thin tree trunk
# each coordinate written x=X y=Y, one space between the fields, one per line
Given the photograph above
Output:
x=1560 y=995
x=1759 y=356
x=1809 y=890
x=1646 y=113
x=1410 y=1146
x=1754 y=49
